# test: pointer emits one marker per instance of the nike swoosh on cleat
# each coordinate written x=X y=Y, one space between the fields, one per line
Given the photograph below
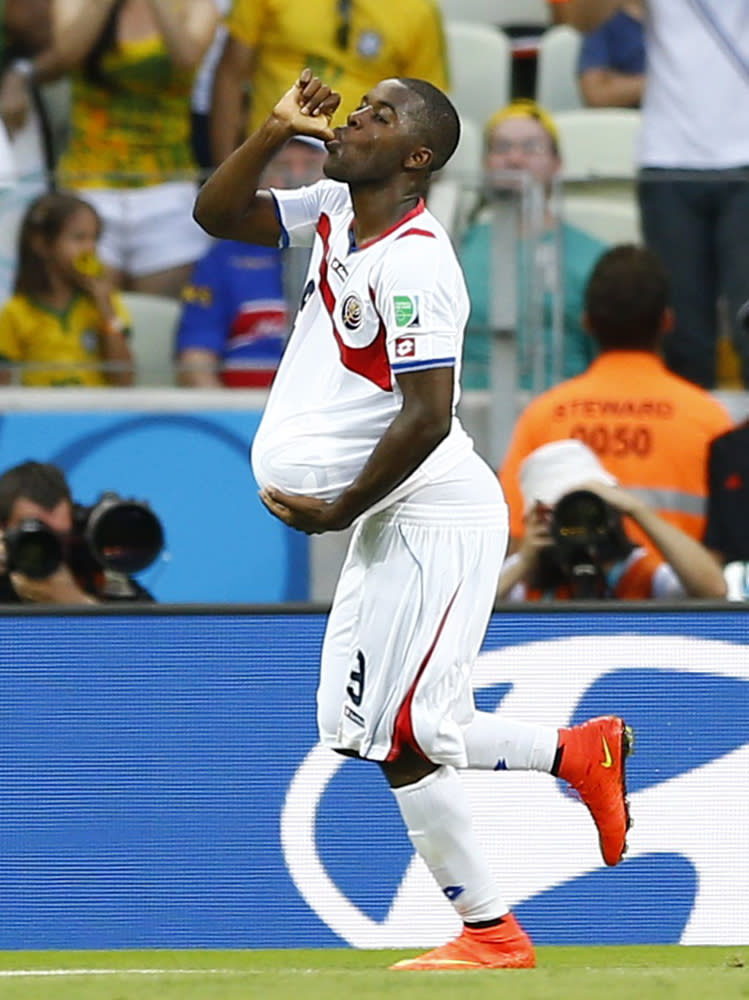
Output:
x=608 y=760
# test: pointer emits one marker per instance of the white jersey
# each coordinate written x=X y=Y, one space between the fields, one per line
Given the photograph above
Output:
x=396 y=304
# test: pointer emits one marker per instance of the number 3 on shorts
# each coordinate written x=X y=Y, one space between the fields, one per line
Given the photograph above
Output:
x=355 y=690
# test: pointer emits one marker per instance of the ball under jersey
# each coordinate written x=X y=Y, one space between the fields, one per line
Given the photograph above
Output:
x=396 y=304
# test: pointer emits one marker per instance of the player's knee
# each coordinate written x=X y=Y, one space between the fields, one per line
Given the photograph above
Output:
x=408 y=768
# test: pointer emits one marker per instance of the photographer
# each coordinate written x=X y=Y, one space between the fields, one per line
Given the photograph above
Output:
x=54 y=551
x=576 y=545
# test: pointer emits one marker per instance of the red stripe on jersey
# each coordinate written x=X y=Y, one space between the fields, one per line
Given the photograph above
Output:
x=418 y=232
x=403 y=732
x=416 y=210
x=371 y=362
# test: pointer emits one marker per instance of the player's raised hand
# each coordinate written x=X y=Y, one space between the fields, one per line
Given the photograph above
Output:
x=309 y=106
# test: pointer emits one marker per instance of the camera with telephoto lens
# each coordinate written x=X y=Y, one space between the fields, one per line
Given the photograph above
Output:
x=122 y=535
x=586 y=533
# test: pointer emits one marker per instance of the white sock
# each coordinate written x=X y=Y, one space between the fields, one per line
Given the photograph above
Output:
x=495 y=743
x=438 y=819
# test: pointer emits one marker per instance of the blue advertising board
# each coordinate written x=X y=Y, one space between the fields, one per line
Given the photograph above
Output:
x=162 y=786
x=191 y=464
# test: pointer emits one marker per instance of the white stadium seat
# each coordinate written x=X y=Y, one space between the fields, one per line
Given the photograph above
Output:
x=479 y=59
x=612 y=220
x=598 y=143
x=505 y=13
x=152 y=337
x=556 y=69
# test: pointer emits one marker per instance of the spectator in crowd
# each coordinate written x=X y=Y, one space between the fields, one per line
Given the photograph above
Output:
x=694 y=159
x=727 y=531
x=611 y=69
x=575 y=544
x=39 y=491
x=64 y=323
x=200 y=100
x=132 y=64
x=33 y=119
x=235 y=317
x=524 y=137
x=25 y=32
x=351 y=43
x=650 y=428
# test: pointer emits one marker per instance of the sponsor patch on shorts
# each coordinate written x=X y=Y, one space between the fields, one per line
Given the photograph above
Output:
x=354 y=716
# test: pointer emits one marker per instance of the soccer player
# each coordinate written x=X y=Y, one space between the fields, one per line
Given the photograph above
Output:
x=360 y=426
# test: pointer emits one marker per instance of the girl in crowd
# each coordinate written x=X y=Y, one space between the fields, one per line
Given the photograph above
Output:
x=64 y=322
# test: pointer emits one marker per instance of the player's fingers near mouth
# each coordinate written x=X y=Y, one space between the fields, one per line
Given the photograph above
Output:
x=329 y=106
x=310 y=88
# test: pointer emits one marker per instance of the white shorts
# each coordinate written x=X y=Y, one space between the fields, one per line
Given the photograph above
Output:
x=409 y=615
x=149 y=229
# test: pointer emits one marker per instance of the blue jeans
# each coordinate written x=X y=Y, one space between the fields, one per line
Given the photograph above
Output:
x=697 y=221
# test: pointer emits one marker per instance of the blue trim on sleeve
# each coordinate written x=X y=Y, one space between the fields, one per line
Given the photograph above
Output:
x=284 y=241
x=410 y=366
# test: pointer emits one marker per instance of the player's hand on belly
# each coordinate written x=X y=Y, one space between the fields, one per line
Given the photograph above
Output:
x=308 y=514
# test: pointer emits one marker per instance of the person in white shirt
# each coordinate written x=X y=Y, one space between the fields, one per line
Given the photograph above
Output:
x=360 y=427
x=694 y=161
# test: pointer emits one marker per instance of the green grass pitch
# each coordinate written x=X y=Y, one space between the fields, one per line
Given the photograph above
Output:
x=595 y=973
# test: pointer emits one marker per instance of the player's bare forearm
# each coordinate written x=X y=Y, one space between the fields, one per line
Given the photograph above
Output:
x=400 y=451
x=229 y=204
x=423 y=422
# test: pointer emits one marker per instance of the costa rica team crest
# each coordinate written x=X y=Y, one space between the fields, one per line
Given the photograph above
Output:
x=352 y=312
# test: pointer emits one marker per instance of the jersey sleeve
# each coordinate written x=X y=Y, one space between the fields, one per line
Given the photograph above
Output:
x=418 y=297
x=299 y=210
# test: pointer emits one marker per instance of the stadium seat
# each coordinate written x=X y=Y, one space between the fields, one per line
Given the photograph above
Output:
x=455 y=190
x=556 y=69
x=152 y=337
x=479 y=59
x=598 y=143
x=613 y=220
x=502 y=13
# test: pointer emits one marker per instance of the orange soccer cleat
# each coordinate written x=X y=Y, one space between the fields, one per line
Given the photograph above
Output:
x=503 y=946
x=592 y=761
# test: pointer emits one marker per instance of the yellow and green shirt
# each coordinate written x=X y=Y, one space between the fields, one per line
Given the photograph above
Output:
x=135 y=131
x=67 y=342
x=291 y=34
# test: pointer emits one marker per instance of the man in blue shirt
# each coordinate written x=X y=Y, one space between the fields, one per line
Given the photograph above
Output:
x=612 y=60
x=235 y=314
